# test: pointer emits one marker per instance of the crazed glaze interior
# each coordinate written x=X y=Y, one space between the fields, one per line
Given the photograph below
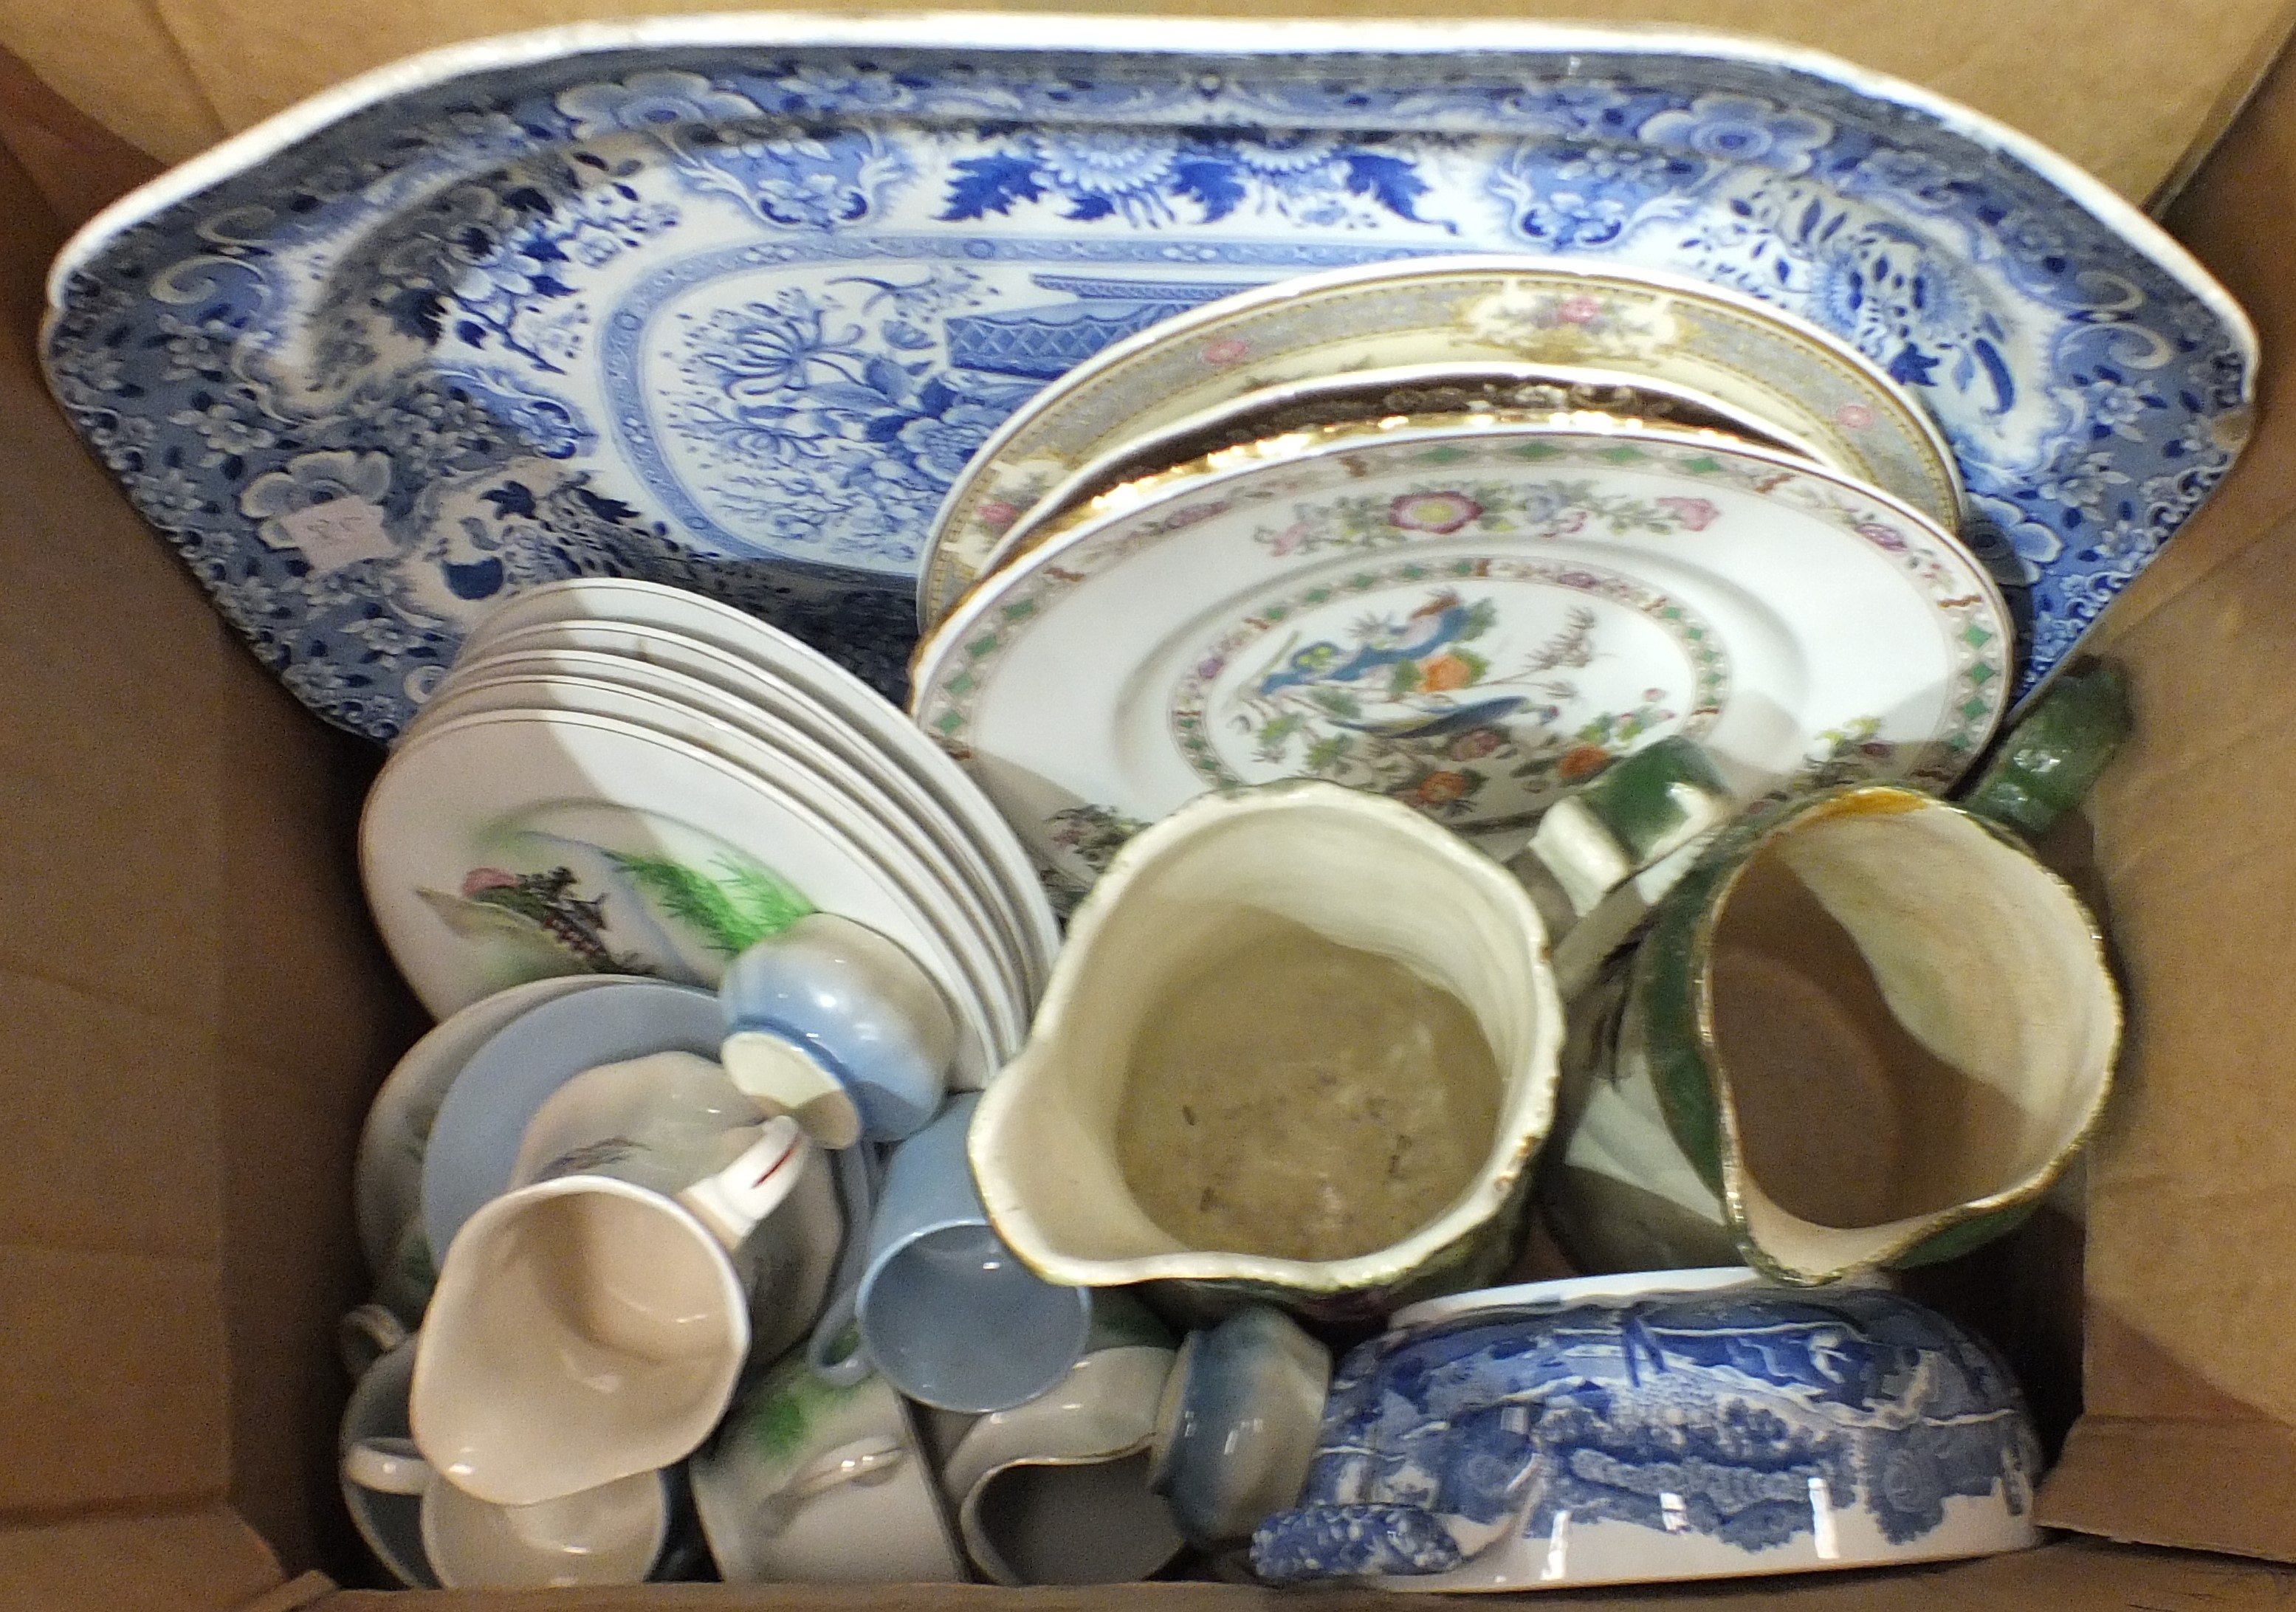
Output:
x=1364 y=872
x=1910 y=1015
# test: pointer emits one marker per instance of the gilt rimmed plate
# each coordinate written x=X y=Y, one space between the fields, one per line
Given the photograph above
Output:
x=1519 y=390
x=749 y=660
x=849 y=767
x=728 y=301
x=935 y=885
x=1815 y=389
x=503 y=848
x=1466 y=619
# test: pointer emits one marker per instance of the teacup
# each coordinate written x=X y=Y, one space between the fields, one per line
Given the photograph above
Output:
x=1868 y=1029
x=1237 y=1425
x=819 y=1483
x=834 y=1023
x=612 y=1534
x=591 y=1324
x=1056 y=1490
x=942 y=1308
x=391 y=1525
x=1206 y=909
x=1552 y=1442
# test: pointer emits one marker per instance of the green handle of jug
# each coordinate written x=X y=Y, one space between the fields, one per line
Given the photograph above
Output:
x=2052 y=757
x=1638 y=812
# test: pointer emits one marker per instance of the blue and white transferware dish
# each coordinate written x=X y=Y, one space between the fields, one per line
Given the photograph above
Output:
x=1467 y=615
x=1667 y=1435
x=729 y=302
x=1748 y=362
x=1238 y=1424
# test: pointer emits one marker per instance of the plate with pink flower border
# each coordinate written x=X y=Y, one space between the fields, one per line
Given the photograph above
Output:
x=1468 y=615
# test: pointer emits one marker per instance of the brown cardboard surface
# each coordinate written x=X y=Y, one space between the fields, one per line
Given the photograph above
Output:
x=2126 y=90
x=197 y=1012
x=205 y=1560
x=2074 y=1574
x=2190 y=1436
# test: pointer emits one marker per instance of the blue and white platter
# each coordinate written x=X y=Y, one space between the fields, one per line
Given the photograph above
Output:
x=729 y=302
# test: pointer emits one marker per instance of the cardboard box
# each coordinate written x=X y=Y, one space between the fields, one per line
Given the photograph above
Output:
x=196 y=1010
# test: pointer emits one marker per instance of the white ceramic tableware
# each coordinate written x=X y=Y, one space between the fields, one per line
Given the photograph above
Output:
x=1351 y=871
x=1055 y=1491
x=586 y=1327
x=944 y=1310
x=832 y=1022
x=1237 y=1424
x=1356 y=396
x=975 y=938
x=798 y=685
x=1469 y=616
x=482 y=1121
x=386 y=1179
x=1756 y=360
x=507 y=847
x=391 y=1525
x=811 y=1482
x=612 y=1534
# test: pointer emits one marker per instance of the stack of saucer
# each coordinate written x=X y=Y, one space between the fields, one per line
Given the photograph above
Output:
x=619 y=777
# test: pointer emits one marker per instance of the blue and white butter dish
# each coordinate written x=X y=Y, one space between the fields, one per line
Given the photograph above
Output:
x=1651 y=1434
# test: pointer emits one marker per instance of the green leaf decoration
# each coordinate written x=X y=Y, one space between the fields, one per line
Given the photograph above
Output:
x=732 y=912
x=1327 y=752
x=1403 y=678
x=1338 y=703
x=1482 y=616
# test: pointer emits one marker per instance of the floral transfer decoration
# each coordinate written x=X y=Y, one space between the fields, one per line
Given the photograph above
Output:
x=600 y=283
x=1472 y=702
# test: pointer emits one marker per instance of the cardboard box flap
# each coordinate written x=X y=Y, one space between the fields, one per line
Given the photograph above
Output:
x=2075 y=1574
x=2190 y=1437
x=197 y=1009
x=2127 y=91
x=205 y=1560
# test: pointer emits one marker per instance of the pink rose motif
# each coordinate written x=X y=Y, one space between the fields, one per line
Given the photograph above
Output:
x=1227 y=349
x=1289 y=539
x=1882 y=537
x=997 y=515
x=1441 y=513
x=1696 y=513
x=1476 y=743
x=1853 y=416
x=1579 y=309
x=478 y=881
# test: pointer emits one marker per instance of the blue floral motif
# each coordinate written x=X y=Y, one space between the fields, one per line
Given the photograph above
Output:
x=1718 y=1417
x=735 y=316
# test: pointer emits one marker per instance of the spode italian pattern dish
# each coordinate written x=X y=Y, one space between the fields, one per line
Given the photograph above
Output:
x=729 y=302
x=1465 y=617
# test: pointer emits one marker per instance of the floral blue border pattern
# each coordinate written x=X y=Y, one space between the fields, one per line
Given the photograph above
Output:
x=732 y=317
x=1708 y=1416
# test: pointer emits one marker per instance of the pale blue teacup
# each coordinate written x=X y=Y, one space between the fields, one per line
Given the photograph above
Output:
x=944 y=1310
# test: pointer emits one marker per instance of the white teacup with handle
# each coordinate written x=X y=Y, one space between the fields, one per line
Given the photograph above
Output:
x=610 y=1535
x=591 y=1324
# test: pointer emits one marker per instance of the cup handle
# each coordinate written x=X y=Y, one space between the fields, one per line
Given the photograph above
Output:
x=732 y=1202
x=858 y=1184
x=1648 y=814
x=865 y=1460
x=2050 y=759
x=365 y=1335
x=389 y=1466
